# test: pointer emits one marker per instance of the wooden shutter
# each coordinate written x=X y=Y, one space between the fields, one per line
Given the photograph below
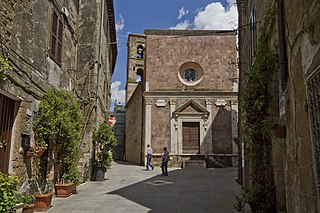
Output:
x=56 y=38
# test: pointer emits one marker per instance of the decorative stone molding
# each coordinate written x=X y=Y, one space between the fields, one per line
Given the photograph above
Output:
x=209 y=102
x=149 y=101
x=220 y=103
x=161 y=103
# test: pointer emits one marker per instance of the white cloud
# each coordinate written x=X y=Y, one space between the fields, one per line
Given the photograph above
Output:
x=120 y=24
x=182 y=12
x=182 y=25
x=117 y=94
x=216 y=17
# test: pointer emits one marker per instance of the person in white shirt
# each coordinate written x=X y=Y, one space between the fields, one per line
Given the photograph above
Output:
x=149 y=157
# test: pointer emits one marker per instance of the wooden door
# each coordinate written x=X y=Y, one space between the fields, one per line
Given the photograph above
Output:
x=191 y=139
x=6 y=123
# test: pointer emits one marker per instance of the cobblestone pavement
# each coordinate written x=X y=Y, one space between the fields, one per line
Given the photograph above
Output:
x=129 y=188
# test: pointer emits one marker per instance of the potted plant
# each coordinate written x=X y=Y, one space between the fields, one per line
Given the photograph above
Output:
x=59 y=122
x=43 y=197
x=41 y=147
x=30 y=152
x=104 y=140
x=8 y=192
x=28 y=201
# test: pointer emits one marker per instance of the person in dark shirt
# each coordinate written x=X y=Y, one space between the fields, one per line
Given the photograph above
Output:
x=164 y=164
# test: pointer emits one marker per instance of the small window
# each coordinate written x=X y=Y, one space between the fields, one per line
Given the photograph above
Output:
x=139 y=75
x=140 y=52
x=56 y=38
x=253 y=32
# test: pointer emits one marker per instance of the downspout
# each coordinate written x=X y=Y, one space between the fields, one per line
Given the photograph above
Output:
x=98 y=83
x=282 y=47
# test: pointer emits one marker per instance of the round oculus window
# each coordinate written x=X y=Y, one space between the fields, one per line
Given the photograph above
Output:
x=190 y=73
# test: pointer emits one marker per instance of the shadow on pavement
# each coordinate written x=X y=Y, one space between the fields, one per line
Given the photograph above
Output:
x=212 y=190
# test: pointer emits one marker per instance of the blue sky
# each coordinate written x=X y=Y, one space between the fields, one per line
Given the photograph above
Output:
x=134 y=16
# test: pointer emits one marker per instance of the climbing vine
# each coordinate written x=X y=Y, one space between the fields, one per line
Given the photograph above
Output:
x=255 y=104
x=4 y=67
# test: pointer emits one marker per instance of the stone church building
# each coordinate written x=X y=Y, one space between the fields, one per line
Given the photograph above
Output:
x=181 y=93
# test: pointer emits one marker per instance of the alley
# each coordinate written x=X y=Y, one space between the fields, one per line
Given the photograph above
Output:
x=129 y=188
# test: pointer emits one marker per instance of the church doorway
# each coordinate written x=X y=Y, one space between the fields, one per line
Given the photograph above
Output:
x=191 y=137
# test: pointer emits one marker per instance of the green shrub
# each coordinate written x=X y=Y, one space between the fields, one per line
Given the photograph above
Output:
x=105 y=140
x=8 y=193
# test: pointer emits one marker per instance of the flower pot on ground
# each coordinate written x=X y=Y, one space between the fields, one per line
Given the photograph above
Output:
x=28 y=208
x=28 y=203
x=43 y=201
x=100 y=173
x=64 y=190
x=280 y=131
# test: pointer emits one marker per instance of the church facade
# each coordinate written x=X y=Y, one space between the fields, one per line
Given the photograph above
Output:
x=182 y=94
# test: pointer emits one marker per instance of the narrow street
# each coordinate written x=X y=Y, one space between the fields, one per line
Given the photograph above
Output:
x=129 y=188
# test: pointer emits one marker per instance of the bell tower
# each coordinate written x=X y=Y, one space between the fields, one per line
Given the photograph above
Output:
x=135 y=62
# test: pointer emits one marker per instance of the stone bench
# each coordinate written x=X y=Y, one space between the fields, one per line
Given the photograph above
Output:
x=194 y=164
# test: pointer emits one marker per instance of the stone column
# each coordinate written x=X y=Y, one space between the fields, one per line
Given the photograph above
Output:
x=173 y=129
x=209 y=127
x=147 y=126
x=234 y=124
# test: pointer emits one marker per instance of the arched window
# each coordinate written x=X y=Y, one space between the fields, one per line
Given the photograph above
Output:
x=140 y=52
x=139 y=75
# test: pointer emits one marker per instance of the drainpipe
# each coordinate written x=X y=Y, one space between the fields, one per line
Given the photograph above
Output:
x=98 y=83
x=282 y=47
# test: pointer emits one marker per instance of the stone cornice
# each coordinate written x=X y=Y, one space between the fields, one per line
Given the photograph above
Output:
x=188 y=94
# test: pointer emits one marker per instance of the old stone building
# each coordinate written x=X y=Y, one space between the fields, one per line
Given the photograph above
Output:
x=292 y=33
x=182 y=94
x=58 y=44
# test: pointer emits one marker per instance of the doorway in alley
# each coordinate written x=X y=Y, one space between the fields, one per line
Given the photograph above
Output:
x=6 y=123
x=191 y=133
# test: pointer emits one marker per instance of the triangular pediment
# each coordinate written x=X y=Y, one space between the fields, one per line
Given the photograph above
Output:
x=191 y=107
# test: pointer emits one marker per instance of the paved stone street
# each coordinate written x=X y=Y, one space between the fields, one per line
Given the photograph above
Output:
x=129 y=188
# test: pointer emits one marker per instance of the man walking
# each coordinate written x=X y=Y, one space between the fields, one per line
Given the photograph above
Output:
x=149 y=157
x=164 y=164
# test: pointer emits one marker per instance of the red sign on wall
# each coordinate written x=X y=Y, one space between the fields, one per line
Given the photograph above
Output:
x=112 y=120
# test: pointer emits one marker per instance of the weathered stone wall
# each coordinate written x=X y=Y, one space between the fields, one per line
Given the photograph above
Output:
x=26 y=36
x=160 y=130
x=294 y=172
x=221 y=130
x=215 y=53
x=133 y=127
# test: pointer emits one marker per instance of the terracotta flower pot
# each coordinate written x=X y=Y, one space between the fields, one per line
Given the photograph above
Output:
x=64 y=190
x=58 y=146
x=40 y=150
x=280 y=131
x=28 y=208
x=43 y=201
x=30 y=154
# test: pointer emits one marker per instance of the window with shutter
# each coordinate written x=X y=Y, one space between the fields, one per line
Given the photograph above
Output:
x=56 y=38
